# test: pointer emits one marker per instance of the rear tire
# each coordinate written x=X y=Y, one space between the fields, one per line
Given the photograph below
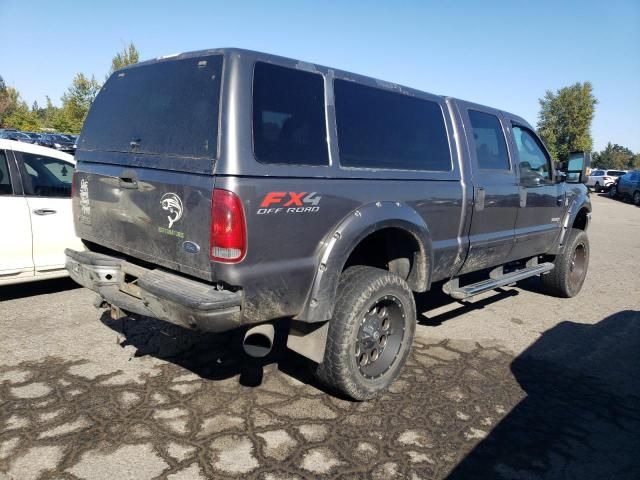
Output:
x=613 y=191
x=636 y=198
x=570 y=267
x=370 y=334
x=597 y=187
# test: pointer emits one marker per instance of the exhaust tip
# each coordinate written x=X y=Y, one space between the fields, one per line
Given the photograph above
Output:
x=258 y=341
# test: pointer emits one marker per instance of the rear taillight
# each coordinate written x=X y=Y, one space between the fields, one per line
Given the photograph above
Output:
x=228 y=242
x=607 y=178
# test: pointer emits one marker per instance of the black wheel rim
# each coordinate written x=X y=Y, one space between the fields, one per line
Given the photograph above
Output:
x=380 y=336
x=578 y=265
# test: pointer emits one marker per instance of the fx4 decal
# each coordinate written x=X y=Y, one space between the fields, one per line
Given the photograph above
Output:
x=289 y=202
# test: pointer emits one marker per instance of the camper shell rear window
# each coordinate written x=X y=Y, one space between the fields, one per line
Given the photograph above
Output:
x=169 y=107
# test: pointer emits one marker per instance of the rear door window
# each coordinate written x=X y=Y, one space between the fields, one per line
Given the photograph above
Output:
x=289 y=125
x=45 y=176
x=382 y=129
x=168 y=107
x=491 y=147
x=5 y=180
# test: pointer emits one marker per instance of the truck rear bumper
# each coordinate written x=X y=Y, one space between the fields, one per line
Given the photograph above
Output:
x=156 y=293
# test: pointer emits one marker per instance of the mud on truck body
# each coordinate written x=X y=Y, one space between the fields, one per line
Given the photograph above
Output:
x=227 y=189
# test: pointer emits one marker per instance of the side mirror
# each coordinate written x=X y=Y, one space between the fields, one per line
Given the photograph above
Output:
x=577 y=167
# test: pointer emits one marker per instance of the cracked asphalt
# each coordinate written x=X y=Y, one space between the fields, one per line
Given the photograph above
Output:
x=515 y=385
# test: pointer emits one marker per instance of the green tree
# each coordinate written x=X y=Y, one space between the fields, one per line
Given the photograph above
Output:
x=14 y=112
x=565 y=117
x=8 y=102
x=127 y=56
x=48 y=115
x=22 y=118
x=615 y=156
x=75 y=104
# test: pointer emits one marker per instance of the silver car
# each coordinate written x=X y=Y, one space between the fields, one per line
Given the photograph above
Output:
x=603 y=179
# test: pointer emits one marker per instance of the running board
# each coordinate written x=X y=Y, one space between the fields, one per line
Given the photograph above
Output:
x=453 y=289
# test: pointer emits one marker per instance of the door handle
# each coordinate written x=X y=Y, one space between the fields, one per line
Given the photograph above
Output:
x=560 y=200
x=479 y=199
x=44 y=211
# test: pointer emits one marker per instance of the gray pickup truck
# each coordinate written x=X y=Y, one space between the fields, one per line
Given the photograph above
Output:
x=226 y=189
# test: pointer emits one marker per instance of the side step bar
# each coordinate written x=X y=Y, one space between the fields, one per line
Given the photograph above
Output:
x=453 y=289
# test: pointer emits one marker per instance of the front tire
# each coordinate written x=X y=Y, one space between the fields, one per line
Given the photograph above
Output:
x=636 y=198
x=370 y=334
x=570 y=267
x=597 y=187
x=613 y=191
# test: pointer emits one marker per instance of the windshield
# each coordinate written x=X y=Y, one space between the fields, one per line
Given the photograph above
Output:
x=168 y=107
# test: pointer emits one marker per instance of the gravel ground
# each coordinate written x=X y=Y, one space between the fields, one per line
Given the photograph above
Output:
x=515 y=385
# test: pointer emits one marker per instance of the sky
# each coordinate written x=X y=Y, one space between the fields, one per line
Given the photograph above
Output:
x=504 y=54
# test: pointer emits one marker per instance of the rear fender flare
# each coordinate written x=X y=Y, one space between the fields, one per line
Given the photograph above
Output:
x=345 y=237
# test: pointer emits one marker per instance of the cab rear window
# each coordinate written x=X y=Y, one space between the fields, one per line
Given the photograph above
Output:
x=169 y=107
x=288 y=116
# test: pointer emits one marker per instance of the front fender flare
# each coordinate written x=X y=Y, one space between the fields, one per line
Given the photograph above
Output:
x=578 y=203
x=343 y=239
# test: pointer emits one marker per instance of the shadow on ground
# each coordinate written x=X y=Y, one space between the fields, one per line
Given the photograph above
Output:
x=430 y=304
x=581 y=414
x=210 y=356
x=41 y=287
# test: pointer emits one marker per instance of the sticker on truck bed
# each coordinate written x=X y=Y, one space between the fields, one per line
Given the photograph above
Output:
x=289 y=202
x=85 y=206
x=173 y=204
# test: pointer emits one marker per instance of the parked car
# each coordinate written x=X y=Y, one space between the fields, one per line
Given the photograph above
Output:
x=601 y=180
x=20 y=137
x=305 y=193
x=34 y=136
x=628 y=187
x=57 y=141
x=4 y=132
x=35 y=200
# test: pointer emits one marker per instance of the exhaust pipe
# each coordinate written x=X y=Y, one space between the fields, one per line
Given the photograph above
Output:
x=258 y=340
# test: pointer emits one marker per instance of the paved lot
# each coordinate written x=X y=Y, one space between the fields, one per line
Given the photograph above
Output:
x=516 y=385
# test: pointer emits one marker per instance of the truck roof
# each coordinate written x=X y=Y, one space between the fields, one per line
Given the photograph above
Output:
x=303 y=65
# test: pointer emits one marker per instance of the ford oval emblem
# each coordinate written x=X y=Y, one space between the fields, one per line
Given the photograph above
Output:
x=190 y=247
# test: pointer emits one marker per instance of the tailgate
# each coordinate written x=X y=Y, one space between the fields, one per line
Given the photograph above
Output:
x=146 y=157
x=161 y=217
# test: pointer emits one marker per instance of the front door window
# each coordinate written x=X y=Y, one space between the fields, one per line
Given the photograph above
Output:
x=534 y=163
